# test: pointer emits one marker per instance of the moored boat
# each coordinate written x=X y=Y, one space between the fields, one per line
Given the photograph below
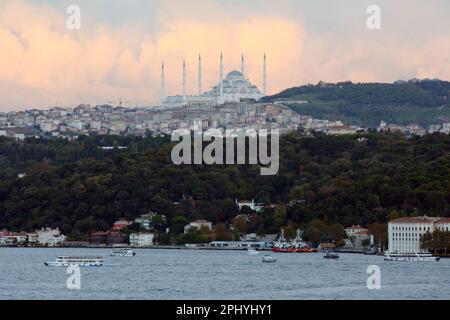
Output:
x=123 y=252
x=282 y=245
x=331 y=255
x=68 y=261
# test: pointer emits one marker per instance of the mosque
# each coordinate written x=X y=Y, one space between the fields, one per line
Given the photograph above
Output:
x=234 y=88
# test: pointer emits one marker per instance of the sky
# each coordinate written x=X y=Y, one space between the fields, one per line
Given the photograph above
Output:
x=118 y=51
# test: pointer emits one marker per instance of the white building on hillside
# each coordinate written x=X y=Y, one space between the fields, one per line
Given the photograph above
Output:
x=350 y=231
x=142 y=239
x=405 y=233
x=251 y=204
x=198 y=224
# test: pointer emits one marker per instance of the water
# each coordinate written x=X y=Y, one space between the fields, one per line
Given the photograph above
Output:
x=198 y=274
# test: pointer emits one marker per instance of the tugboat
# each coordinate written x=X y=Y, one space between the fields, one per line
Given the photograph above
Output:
x=331 y=255
x=300 y=246
x=282 y=245
x=123 y=252
x=268 y=259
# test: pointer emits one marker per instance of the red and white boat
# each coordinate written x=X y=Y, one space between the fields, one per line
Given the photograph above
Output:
x=282 y=245
x=301 y=246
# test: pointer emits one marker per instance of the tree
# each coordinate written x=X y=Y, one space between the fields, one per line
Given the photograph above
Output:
x=380 y=234
x=178 y=223
x=240 y=224
x=221 y=232
x=336 y=232
x=279 y=216
x=313 y=234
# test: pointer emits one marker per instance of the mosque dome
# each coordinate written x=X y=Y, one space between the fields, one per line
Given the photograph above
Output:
x=235 y=74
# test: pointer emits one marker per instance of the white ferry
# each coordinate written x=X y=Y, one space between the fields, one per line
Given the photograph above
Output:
x=417 y=256
x=123 y=252
x=68 y=261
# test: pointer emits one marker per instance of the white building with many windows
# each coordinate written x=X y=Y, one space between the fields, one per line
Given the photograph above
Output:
x=142 y=239
x=405 y=233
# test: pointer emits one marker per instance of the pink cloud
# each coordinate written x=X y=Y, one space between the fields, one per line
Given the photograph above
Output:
x=44 y=63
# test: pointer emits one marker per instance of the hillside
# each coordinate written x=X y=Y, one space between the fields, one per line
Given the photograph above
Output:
x=423 y=102
x=342 y=180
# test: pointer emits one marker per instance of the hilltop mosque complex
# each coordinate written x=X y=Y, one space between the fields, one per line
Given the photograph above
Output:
x=234 y=103
x=234 y=88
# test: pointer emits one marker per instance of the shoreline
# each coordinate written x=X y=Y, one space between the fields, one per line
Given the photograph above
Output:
x=168 y=247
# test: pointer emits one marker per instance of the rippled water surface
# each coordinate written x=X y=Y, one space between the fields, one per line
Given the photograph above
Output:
x=198 y=274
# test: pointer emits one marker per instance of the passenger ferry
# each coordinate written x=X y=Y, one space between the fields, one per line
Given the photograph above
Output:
x=422 y=257
x=68 y=261
x=123 y=252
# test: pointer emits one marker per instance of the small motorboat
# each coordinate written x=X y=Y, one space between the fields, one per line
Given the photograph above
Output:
x=252 y=252
x=123 y=252
x=331 y=255
x=268 y=259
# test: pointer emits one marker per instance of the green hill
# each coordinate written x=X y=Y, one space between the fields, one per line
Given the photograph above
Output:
x=346 y=180
x=423 y=102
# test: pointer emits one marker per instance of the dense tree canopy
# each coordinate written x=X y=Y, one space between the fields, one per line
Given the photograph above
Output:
x=345 y=180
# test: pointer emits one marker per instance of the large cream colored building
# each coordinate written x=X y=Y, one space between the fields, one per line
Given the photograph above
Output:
x=405 y=233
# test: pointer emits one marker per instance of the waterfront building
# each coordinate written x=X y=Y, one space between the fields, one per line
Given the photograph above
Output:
x=198 y=224
x=115 y=238
x=405 y=234
x=142 y=239
x=10 y=238
x=350 y=231
x=357 y=237
x=98 y=238
x=32 y=238
x=49 y=237
x=238 y=244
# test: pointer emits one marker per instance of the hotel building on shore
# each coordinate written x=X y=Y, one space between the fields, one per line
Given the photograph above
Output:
x=405 y=234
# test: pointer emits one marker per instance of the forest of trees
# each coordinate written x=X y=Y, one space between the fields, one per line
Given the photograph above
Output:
x=324 y=183
x=437 y=242
x=367 y=104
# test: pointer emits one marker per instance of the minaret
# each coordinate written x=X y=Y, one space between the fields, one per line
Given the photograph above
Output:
x=265 y=76
x=163 y=93
x=184 y=82
x=199 y=75
x=242 y=66
x=221 y=78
